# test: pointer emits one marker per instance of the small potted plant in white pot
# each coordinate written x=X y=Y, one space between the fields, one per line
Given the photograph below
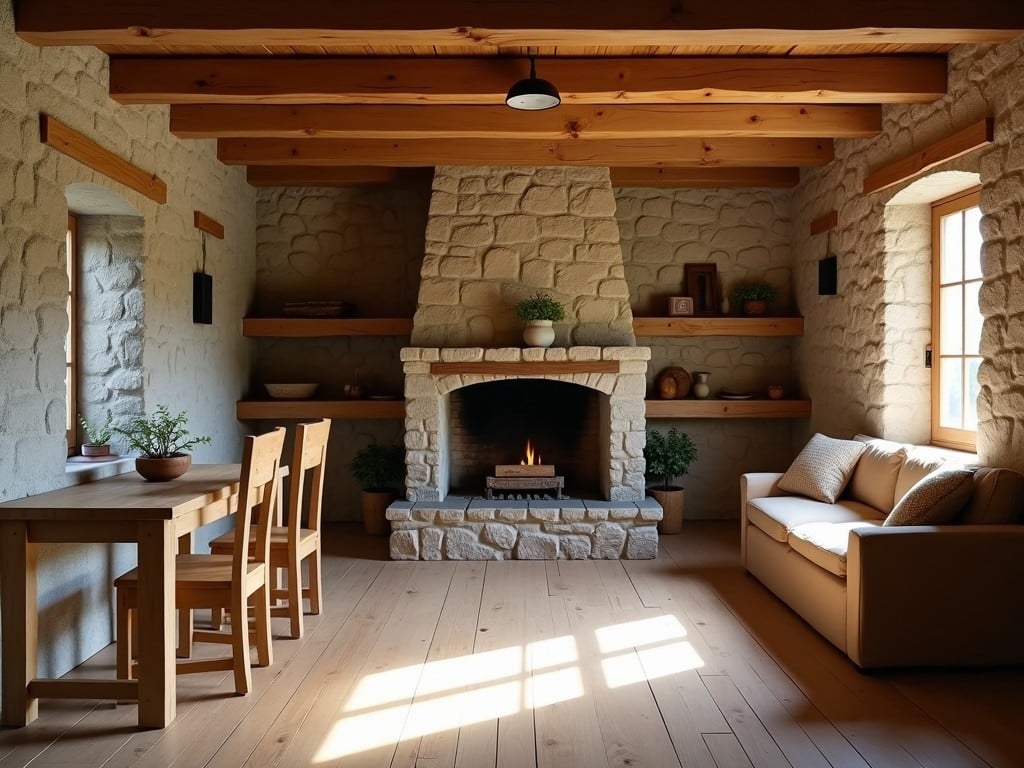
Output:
x=539 y=312
x=755 y=298
x=163 y=441
x=98 y=444
x=669 y=456
x=379 y=469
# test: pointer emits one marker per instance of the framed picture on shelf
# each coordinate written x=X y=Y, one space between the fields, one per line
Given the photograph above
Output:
x=701 y=284
x=680 y=306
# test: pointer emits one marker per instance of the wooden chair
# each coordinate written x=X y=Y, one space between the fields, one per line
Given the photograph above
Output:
x=292 y=544
x=232 y=581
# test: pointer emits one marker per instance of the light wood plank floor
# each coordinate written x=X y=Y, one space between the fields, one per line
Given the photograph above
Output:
x=684 y=660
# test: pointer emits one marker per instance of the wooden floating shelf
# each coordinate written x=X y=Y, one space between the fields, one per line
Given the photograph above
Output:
x=320 y=409
x=296 y=327
x=728 y=409
x=718 y=326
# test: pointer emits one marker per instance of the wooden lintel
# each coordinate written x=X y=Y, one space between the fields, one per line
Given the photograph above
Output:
x=208 y=224
x=571 y=121
x=485 y=80
x=334 y=176
x=705 y=178
x=960 y=143
x=825 y=223
x=687 y=152
x=80 y=147
x=526 y=368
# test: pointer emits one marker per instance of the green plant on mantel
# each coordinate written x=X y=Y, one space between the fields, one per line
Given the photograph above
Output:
x=755 y=291
x=98 y=435
x=378 y=467
x=540 y=307
x=161 y=435
x=669 y=455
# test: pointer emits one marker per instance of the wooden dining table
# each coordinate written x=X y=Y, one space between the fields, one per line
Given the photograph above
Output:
x=159 y=518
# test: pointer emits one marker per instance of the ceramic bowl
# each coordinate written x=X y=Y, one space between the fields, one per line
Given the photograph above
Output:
x=291 y=391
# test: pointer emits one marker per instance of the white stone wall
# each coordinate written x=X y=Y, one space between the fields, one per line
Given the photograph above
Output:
x=364 y=246
x=864 y=344
x=497 y=235
x=201 y=368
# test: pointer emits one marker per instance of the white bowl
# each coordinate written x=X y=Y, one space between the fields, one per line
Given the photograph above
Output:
x=291 y=391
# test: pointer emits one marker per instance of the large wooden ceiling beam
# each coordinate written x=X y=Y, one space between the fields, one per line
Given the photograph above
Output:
x=704 y=178
x=707 y=80
x=334 y=176
x=687 y=152
x=157 y=23
x=210 y=121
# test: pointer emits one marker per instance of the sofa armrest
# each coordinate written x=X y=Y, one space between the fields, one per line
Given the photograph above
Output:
x=755 y=485
x=935 y=595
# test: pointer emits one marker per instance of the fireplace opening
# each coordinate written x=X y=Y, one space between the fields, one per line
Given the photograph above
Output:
x=490 y=425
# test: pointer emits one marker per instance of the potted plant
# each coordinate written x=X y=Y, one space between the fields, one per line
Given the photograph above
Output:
x=755 y=297
x=539 y=312
x=669 y=456
x=99 y=437
x=163 y=441
x=378 y=469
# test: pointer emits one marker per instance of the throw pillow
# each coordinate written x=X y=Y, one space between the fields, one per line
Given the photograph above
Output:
x=935 y=499
x=823 y=468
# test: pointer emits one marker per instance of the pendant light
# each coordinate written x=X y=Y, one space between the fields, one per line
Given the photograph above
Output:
x=533 y=93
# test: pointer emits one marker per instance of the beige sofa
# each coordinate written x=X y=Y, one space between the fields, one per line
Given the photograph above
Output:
x=895 y=596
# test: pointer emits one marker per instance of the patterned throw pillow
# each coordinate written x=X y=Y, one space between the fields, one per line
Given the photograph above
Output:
x=823 y=468
x=935 y=499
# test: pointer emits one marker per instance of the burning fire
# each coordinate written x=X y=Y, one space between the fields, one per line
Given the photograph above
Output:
x=532 y=457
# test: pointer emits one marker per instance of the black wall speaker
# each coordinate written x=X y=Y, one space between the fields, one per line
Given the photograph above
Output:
x=202 y=298
x=827 y=276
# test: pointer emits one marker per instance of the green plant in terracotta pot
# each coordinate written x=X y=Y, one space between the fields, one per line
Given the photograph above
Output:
x=539 y=312
x=163 y=440
x=755 y=297
x=98 y=443
x=379 y=469
x=669 y=456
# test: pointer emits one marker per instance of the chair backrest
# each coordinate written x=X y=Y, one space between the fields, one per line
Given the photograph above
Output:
x=309 y=454
x=261 y=457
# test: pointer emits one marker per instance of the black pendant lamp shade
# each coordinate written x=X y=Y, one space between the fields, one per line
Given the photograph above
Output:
x=533 y=93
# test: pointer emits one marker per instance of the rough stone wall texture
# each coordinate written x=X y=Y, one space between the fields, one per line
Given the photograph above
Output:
x=497 y=235
x=359 y=245
x=862 y=343
x=180 y=360
x=746 y=234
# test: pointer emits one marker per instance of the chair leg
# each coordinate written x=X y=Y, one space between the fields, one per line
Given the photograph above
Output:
x=184 y=633
x=216 y=619
x=240 y=649
x=314 y=582
x=295 y=594
x=264 y=646
x=123 y=633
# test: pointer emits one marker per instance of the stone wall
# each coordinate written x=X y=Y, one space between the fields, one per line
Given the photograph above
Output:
x=364 y=246
x=864 y=344
x=497 y=235
x=746 y=234
x=178 y=357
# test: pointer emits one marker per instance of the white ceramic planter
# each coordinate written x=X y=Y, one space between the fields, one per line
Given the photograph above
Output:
x=539 y=333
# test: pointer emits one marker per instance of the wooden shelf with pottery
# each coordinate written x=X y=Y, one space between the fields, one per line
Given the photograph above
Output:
x=718 y=326
x=299 y=327
x=319 y=409
x=728 y=409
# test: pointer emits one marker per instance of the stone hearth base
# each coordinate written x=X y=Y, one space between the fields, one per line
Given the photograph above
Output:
x=464 y=528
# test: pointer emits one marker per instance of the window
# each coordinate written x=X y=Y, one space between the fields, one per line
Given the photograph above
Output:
x=956 y=320
x=70 y=343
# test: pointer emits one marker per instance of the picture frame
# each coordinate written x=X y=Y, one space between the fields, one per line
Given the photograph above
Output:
x=701 y=284
x=680 y=306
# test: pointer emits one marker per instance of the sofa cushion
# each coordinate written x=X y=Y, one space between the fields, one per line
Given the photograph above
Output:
x=936 y=499
x=918 y=463
x=825 y=544
x=778 y=515
x=874 y=478
x=997 y=498
x=823 y=468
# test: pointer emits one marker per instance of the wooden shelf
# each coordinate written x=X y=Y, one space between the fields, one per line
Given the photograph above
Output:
x=718 y=326
x=728 y=409
x=296 y=327
x=319 y=409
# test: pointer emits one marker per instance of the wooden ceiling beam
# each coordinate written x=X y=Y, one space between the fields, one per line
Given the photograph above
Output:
x=705 y=178
x=687 y=152
x=149 y=24
x=334 y=176
x=211 y=121
x=696 y=80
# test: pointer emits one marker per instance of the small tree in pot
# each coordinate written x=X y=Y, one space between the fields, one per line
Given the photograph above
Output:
x=539 y=312
x=379 y=469
x=163 y=440
x=98 y=437
x=669 y=456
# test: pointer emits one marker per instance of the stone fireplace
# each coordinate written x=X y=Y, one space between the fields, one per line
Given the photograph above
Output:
x=495 y=236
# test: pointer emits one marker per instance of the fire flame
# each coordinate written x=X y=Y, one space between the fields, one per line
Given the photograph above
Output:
x=532 y=457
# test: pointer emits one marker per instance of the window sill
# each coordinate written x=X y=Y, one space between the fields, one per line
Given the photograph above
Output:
x=79 y=470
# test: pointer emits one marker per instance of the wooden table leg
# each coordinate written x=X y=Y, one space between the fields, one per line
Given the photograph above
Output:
x=157 y=685
x=19 y=612
x=185 y=623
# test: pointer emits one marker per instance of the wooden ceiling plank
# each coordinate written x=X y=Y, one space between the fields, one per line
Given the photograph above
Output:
x=334 y=176
x=705 y=178
x=206 y=121
x=208 y=224
x=686 y=152
x=825 y=222
x=696 y=80
x=527 y=22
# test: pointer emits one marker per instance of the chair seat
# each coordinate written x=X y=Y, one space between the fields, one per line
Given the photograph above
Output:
x=197 y=572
